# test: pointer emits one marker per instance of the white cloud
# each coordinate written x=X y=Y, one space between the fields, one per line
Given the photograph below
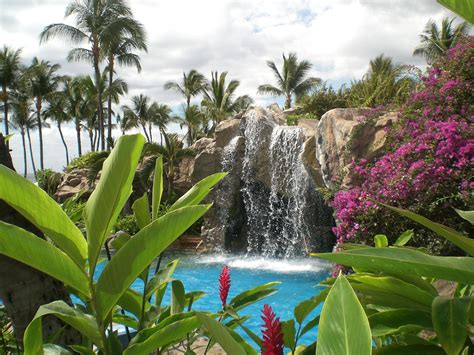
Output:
x=338 y=36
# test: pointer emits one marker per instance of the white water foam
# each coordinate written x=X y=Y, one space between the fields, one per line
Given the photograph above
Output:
x=266 y=264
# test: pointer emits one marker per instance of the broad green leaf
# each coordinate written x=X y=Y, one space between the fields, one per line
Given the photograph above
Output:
x=129 y=262
x=120 y=240
x=131 y=301
x=450 y=320
x=399 y=320
x=404 y=238
x=247 y=331
x=303 y=309
x=289 y=331
x=221 y=334
x=82 y=350
x=343 y=327
x=454 y=237
x=381 y=241
x=163 y=275
x=395 y=286
x=253 y=295
x=111 y=193
x=157 y=188
x=464 y=8
x=198 y=192
x=403 y=260
x=53 y=349
x=178 y=297
x=41 y=210
x=8 y=137
x=162 y=335
x=125 y=320
x=416 y=349
x=467 y=215
x=115 y=346
x=84 y=323
x=29 y=249
x=141 y=210
x=310 y=325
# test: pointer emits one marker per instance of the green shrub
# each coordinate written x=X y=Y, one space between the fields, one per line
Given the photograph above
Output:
x=127 y=224
x=86 y=161
x=48 y=180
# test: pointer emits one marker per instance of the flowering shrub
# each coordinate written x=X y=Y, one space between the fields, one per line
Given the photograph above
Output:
x=224 y=284
x=428 y=166
x=272 y=333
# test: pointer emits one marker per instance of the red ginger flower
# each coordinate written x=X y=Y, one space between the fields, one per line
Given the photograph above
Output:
x=224 y=284
x=272 y=335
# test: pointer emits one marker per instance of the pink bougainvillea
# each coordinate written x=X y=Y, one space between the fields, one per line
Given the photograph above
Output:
x=429 y=163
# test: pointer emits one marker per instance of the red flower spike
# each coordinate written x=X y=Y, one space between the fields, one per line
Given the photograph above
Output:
x=272 y=343
x=224 y=284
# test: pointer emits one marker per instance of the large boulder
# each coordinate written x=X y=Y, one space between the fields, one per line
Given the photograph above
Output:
x=226 y=131
x=346 y=135
x=74 y=182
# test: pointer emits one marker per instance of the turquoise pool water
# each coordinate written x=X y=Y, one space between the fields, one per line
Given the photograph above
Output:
x=299 y=279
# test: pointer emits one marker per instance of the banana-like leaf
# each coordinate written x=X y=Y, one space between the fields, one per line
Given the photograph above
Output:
x=221 y=334
x=395 y=286
x=84 y=323
x=125 y=320
x=404 y=238
x=31 y=250
x=111 y=193
x=467 y=215
x=53 y=349
x=381 y=241
x=178 y=297
x=303 y=309
x=41 y=210
x=141 y=210
x=343 y=327
x=464 y=8
x=450 y=320
x=130 y=261
x=173 y=329
x=253 y=295
x=157 y=188
x=131 y=301
x=310 y=325
x=163 y=275
x=454 y=237
x=403 y=260
x=289 y=331
x=399 y=321
x=198 y=192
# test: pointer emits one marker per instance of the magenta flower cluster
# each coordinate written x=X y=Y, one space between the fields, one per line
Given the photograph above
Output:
x=430 y=157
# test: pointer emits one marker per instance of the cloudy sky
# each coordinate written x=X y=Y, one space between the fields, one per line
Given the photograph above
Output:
x=338 y=36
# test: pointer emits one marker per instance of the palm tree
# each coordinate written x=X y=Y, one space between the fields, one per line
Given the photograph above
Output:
x=219 y=101
x=118 y=50
x=140 y=114
x=21 y=119
x=96 y=21
x=74 y=94
x=193 y=84
x=194 y=119
x=436 y=41
x=58 y=112
x=172 y=152
x=43 y=81
x=291 y=81
x=9 y=72
x=161 y=117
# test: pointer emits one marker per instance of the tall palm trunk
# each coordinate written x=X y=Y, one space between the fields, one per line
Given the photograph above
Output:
x=91 y=138
x=39 y=102
x=100 y=112
x=146 y=133
x=149 y=130
x=64 y=142
x=5 y=113
x=31 y=152
x=109 y=103
x=25 y=159
x=78 y=135
x=288 y=101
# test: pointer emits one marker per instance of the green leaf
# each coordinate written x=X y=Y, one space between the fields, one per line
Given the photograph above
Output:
x=139 y=252
x=343 y=328
x=131 y=301
x=415 y=349
x=403 y=260
x=125 y=320
x=120 y=240
x=84 y=323
x=29 y=249
x=381 y=241
x=467 y=215
x=198 y=192
x=464 y=8
x=174 y=330
x=111 y=193
x=303 y=309
x=162 y=276
x=178 y=297
x=404 y=238
x=53 y=349
x=8 y=137
x=454 y=237
x=221 y=334
x=41 y=210
x=310 y=325
x=157 y=188
x=82 y=350
x=141 y=210
x=289 y=330
x=253 y=295
x=450 y=320
x=398 y=321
